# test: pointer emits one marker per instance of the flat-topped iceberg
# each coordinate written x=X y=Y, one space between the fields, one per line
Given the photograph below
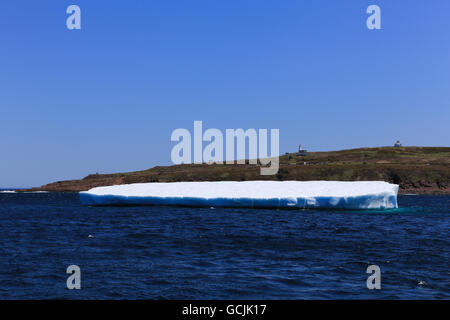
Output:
x=250 y=194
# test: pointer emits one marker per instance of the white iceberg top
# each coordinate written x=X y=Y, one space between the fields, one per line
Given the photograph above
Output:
x=259 y=194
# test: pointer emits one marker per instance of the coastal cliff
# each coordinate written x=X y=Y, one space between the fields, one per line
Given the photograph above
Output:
x=419 y=170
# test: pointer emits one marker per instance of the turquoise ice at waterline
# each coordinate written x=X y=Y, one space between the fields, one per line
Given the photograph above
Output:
x=250 y=194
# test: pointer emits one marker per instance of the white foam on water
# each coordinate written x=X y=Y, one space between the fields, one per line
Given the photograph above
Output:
x=253 y=194
x=36 y=192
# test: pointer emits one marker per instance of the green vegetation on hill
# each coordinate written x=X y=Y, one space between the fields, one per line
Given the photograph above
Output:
x=415 y=169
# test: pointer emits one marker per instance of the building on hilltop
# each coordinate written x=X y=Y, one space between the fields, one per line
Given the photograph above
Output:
x=397 y=144
x=301 y=151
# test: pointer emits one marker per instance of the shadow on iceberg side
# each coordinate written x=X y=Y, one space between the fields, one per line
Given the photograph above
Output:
x=382 y=201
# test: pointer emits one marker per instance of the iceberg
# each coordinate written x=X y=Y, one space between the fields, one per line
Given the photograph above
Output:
x=249 y=194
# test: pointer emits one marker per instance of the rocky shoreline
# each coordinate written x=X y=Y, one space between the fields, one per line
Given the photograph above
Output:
x=80 y=185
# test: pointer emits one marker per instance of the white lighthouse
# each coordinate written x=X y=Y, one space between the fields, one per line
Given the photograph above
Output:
x=301 y=151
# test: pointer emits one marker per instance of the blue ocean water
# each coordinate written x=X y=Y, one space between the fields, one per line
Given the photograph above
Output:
x=207 y=253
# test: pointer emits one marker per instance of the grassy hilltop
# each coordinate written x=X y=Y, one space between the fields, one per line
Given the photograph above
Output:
x=415 y=169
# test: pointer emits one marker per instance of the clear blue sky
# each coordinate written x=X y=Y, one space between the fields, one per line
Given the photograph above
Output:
x=106 y=98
